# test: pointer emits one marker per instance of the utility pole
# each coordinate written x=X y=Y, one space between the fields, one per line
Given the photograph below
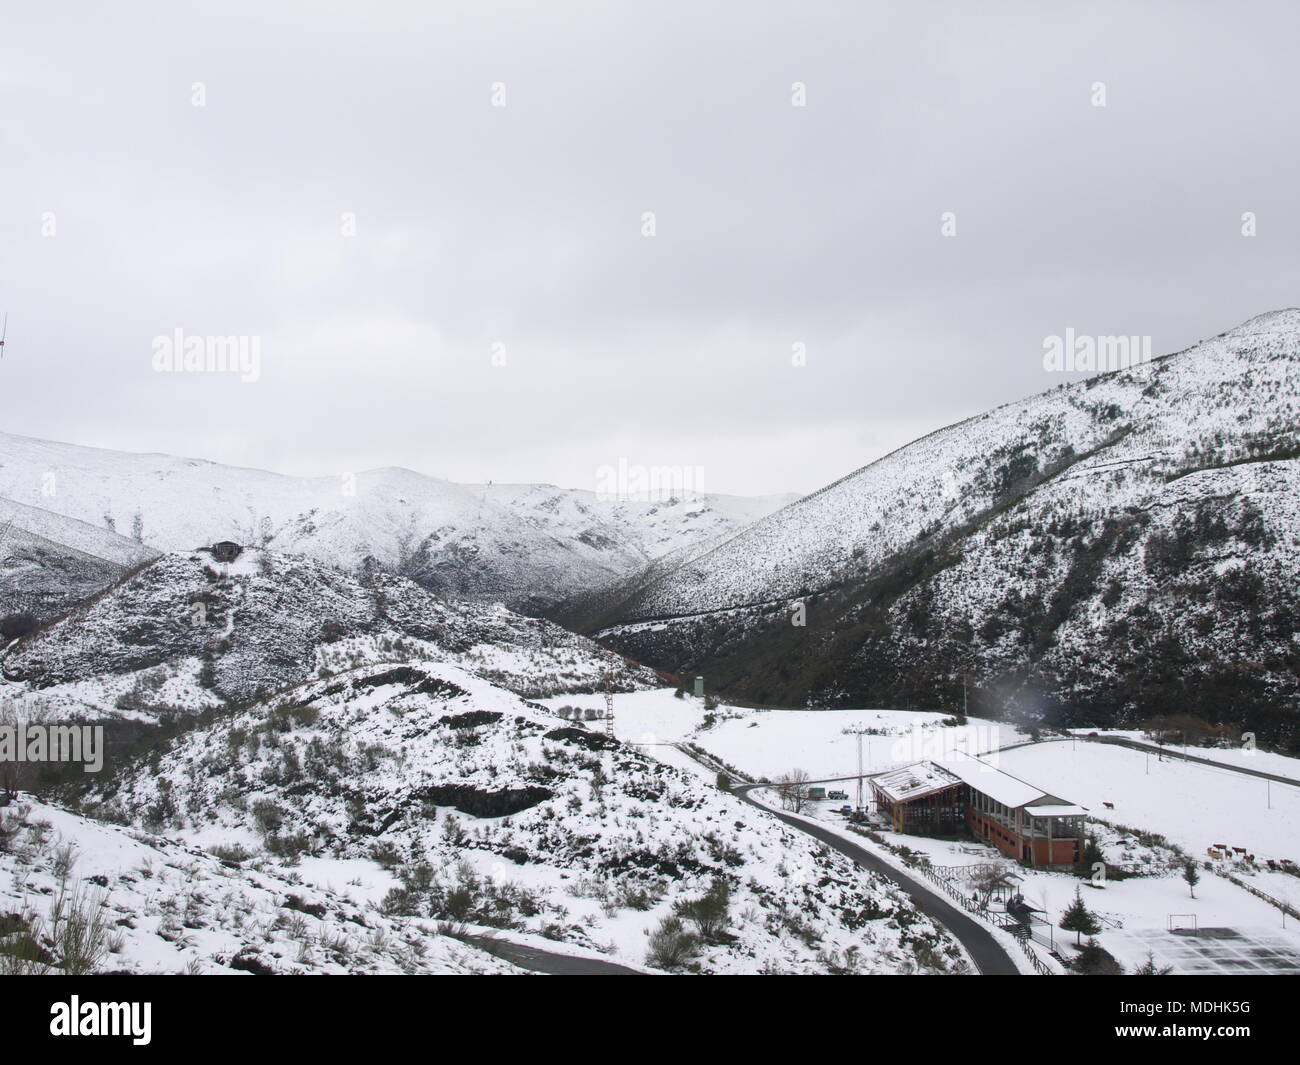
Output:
x=859 y=732
x=859 y=770
x=609 y=701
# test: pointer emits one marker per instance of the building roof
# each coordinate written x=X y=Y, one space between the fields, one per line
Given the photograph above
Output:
x=919 y=779
x=997 y=785
x=1055 y=810
x=914 y=781
x=1008 y=790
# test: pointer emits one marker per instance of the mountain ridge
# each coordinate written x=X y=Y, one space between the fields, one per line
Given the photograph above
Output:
x=1057 y=498
x=528 y=546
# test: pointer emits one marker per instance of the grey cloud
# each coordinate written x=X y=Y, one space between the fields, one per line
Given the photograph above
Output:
x=520 y=225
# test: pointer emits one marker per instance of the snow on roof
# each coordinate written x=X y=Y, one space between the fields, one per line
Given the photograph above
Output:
x=925 y=778
x=999 y=786
x=914 y=781
x=1056 y=810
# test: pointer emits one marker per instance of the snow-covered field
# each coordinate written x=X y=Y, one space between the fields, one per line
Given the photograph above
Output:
x=1195 y=806
x=1136 y=913
x=1256 y=760
x=767 y=743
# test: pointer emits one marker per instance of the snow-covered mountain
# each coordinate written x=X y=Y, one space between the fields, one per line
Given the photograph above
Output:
x=526 y=545
x=1112 y=548
x=490 y=810
x=185 y=633
x=48 y=562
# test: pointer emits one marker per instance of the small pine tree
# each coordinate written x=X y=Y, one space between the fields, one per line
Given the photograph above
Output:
x=1079 y=919
x=1193 y=877
x=1092 y=857
x=1150 y=968
x=1095 y=960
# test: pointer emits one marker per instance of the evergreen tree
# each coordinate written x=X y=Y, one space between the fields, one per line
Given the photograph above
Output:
x=1193 y=877
x=1091 y=857
x=1079 y=919
x=1095 y=960
x=1150 y=968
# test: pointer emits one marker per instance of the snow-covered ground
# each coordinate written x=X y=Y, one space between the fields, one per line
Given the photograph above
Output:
x=1137 y=912
x=169 y=907
x=1195 y=806
x=489 y=809
x=1192 y=806
x=1258 y=761
x=767 y=743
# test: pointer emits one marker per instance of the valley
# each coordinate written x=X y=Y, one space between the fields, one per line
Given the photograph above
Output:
x=390 y=723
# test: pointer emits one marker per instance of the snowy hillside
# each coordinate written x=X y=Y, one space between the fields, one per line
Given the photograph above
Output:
x=1090 y=551
x=160 y=906
x=49 y=562
x=186 y=633
x=491 y=810
x=526 y=545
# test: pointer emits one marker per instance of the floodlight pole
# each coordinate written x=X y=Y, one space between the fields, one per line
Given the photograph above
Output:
x=860 y=772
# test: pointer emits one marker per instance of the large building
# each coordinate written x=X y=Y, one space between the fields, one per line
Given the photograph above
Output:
x=942 y=798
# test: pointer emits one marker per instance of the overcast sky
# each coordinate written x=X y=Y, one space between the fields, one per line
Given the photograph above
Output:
x=522 y=225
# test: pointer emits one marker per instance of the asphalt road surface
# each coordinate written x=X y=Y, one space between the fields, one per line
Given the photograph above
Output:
x=546 y=961
x=988 y=954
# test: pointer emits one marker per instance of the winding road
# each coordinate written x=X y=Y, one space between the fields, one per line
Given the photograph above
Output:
x=989 y=955
x=545 y=961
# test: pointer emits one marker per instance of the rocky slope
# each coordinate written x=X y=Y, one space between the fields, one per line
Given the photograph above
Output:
x=159 y=906
x=186 y=632
x=49 y=562
x=490 y=810
x=1100 y=553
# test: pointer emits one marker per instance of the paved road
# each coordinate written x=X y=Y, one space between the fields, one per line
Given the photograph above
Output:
x=988 y=954
x=545 y=961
